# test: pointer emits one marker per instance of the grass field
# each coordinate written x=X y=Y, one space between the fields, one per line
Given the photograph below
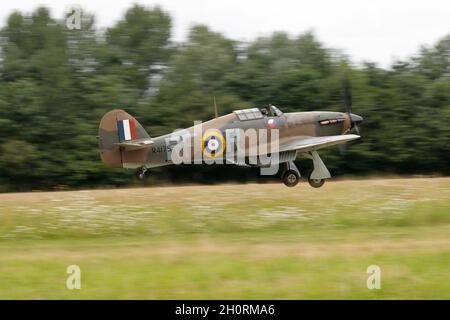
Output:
x=230 y=241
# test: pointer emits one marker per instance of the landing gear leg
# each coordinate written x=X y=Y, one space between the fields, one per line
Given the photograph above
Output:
x=291 y=175
x=141 y=172
x=317 y=176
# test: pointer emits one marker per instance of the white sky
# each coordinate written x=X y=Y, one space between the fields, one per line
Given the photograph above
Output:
x=374 y=30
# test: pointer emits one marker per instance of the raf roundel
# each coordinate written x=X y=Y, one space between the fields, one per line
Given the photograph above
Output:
x=213 y=144
x=272 y=123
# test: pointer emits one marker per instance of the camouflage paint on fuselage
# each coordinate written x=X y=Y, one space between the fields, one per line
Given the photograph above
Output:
x=291 y=126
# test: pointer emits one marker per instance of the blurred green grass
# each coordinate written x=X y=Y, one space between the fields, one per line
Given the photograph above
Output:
x=230 y=241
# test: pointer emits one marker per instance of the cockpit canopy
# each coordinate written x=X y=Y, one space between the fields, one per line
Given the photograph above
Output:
x=275 y=111
x=255 y=113
x=248 y=114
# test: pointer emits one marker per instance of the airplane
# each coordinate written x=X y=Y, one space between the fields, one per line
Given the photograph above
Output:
x=124 y=143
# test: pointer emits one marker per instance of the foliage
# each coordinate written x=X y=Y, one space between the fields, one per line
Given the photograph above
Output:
x=55 y=84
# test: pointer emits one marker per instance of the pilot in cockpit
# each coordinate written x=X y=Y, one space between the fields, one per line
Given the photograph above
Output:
x=264 y=112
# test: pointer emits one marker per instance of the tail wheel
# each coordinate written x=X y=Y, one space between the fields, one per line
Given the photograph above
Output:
x=315 y=183
x=291 y=178
x=141 y=172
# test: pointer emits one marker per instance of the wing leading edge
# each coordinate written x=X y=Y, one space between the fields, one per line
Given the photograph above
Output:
x=307 y=144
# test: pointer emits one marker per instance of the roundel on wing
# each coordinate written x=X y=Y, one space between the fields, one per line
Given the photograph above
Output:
x=213 y=144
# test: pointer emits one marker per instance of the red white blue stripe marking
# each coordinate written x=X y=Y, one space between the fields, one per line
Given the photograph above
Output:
x=126 y=129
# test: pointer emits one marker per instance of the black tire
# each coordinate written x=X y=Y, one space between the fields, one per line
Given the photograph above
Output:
x=315 y=183
x=291 y=178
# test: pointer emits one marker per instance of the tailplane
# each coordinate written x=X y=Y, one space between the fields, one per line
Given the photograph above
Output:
x=120 y=132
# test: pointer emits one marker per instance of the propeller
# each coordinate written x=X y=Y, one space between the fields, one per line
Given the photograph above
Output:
x=346 y=91
x=347 y=98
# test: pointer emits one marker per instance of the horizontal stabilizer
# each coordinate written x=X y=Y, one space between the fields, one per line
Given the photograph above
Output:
x=135 y=145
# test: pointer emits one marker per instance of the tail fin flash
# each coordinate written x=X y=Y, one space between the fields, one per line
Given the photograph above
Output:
x=129 y=129
x=118 y=131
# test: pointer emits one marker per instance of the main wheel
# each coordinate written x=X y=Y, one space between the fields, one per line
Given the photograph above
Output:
x=291 y=178
x=315 y=183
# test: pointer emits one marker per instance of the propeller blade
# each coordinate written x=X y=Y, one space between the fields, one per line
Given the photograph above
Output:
x=357 y=129
x=347 y=94
x=342 y=149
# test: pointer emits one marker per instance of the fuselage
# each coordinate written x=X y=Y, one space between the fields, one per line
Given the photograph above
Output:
x=290 y=126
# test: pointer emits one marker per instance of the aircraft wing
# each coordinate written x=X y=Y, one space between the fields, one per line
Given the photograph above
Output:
x=306 y=144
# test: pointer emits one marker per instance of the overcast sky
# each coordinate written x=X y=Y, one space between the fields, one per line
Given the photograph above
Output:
x=374 y=30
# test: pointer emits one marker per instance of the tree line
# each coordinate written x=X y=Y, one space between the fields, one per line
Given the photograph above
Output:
x=56 y=83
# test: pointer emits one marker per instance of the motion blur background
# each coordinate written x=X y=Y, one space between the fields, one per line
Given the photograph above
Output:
x=56 y=83
x=257 y=241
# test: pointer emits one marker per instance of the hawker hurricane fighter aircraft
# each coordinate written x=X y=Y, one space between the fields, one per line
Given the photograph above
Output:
x=124 y=143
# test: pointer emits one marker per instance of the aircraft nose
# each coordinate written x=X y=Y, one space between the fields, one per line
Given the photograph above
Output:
x=356 y=119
